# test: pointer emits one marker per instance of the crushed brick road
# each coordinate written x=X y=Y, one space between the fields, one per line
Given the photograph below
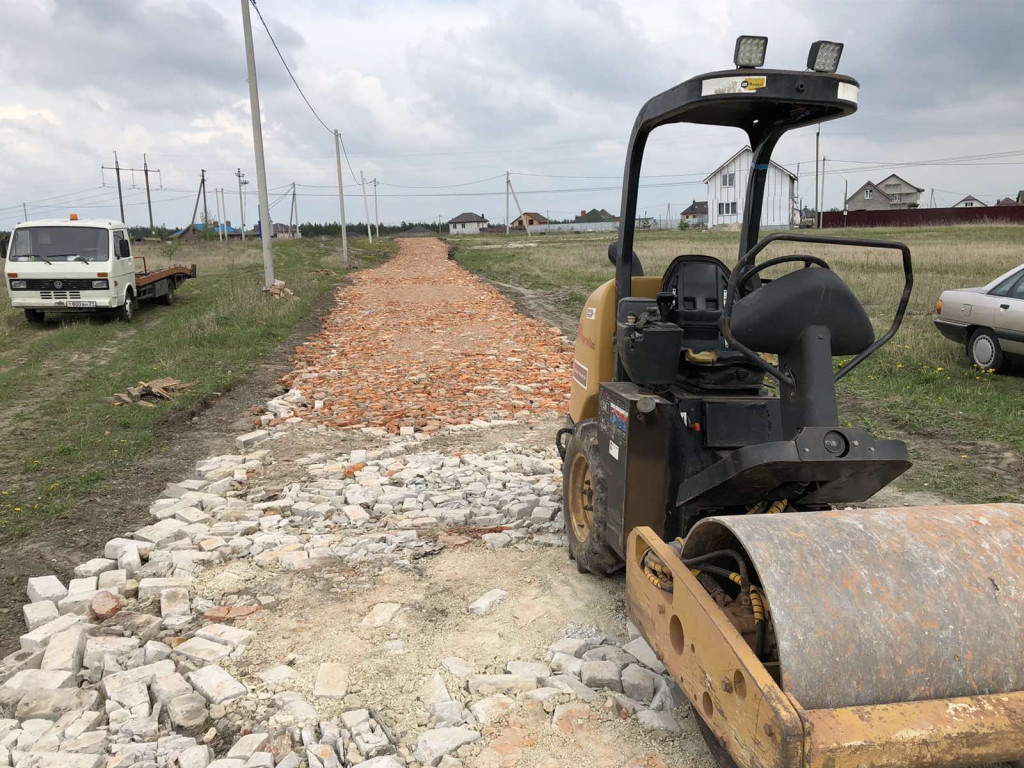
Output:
x=419 y=342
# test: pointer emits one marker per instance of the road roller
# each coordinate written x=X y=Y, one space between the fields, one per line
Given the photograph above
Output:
x=703 y=454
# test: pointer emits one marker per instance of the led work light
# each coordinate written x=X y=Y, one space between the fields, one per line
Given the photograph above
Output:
x=824 y=56
x=750 y=51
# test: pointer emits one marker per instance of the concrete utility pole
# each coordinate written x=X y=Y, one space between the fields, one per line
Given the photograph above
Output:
x=293 y=215
x=519 y=208
x=216 y=202
x=266 y=227
x=508 y=186
x=117 y=172
x=206 y=211
x=149 y=201
x=366 y=205
x=376 y=218
x=24 y=209
x=817 y=205
x=241 y=200
x=341 y=201
x=224 y=212
x=821 y=215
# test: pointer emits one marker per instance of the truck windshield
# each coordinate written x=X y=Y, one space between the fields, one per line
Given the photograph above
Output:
x=60 y=244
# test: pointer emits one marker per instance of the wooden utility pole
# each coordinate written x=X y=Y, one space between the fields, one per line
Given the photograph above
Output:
x=145 y=171
x=216 y=202
x=195 y=208
x=817 y=205
x=266 y=227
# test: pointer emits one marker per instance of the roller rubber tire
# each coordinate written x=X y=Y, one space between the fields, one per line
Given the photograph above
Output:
x=718 y=753
x=584 y=495
x=984 y=351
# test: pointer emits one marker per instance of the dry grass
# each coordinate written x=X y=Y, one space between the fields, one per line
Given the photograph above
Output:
x=920 y=383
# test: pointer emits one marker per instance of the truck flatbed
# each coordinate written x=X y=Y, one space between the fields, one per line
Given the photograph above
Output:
x=148 y=277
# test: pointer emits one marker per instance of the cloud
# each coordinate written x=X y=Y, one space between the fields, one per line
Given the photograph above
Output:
x=437 y=92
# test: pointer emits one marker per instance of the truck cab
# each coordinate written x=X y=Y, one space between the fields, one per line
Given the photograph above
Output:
x=72 y=265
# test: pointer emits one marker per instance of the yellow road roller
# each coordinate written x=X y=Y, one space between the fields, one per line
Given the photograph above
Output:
x=803 y=631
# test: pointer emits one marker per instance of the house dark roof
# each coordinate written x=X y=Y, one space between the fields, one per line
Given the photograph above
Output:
x=537 y=218
x=868 y=185
x=467 y=218
x=594 y=216
x=964 y=200
x=1007 y=201
x=696 y=208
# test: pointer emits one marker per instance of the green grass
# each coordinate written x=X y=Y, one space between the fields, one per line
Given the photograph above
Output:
x=63 y=438
x=960 y=423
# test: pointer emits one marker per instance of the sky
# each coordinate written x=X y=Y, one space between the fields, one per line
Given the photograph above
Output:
x=437 y=99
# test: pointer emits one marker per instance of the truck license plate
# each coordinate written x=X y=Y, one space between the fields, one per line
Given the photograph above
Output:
x=80 y=304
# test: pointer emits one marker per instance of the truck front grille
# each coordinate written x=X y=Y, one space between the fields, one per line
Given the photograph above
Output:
x=60 y=295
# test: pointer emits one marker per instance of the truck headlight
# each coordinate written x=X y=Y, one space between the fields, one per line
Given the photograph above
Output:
x=100 y=284
x=18 y=285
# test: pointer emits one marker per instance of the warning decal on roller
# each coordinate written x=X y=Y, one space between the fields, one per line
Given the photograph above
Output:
x=579 y=373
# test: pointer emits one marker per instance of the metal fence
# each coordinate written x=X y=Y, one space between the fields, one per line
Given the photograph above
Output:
x=924 y=217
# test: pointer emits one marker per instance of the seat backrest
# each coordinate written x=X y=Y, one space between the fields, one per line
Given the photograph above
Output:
x=774 y=317
x=699 y=283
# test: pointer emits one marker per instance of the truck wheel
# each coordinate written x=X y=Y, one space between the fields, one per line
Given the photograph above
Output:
x=168 y=298
x=584 y=501
x=984 y=350
x=34 y=316
x=127 y=310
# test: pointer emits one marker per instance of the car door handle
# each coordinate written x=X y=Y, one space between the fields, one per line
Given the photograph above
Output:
x=1004 y=306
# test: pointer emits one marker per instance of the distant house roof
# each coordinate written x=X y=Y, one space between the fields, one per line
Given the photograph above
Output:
x=1007 y=201
x=971 y=198
x=1020 y=197
x=742 y=150
x=868 y=185
x=900 y=178
x=537 y=218
x=468 y=218
x=696 y=208
x=594 y=216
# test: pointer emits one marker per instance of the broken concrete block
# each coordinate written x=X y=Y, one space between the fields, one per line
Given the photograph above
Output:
x=203 y=651
x=37 y=614
x=174 y=602
x=41 y=679
x=166 y=688
x=487 y=602
x=65 y=649
x=94 y=567
x=250 y=439
x=188 y=711
x=46 y=588
x=216 y=685
x=153 y=586
x=331 y=681
x=40 y=636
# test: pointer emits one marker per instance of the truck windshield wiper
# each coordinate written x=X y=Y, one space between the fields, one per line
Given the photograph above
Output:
x=81 y=258
x=40 y=257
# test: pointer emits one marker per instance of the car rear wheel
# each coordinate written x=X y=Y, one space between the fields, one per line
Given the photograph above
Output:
x=984 y=350
x=584 y=498
x=168 y=298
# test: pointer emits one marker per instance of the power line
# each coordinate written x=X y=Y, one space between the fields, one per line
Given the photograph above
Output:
x=299 y=88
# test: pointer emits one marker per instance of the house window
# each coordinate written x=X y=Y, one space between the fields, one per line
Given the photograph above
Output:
x=726 y=209
x=728 y=179
x=867 y=194
x=968 y=204
x=896 y=197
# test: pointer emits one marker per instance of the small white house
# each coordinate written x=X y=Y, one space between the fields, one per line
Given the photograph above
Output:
x=727 y=189
x=467 y=224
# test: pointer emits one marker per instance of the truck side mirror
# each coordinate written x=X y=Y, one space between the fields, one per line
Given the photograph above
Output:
x=123 y=249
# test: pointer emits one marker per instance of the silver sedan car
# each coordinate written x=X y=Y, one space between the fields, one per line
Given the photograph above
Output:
x=989 y=321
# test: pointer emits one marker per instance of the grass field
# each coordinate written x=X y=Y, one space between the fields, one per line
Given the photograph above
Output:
x=62 y=438
x=966 y=427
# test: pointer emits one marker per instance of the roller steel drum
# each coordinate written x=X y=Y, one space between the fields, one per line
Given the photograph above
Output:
x=875 y=606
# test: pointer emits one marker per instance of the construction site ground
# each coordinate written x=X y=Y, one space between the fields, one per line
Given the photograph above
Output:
x=406 y=558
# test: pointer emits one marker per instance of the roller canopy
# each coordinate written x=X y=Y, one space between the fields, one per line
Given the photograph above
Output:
x=878 y=606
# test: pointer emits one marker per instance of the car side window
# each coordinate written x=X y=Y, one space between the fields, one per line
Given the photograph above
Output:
x=1004 y=287
x=1018 y=290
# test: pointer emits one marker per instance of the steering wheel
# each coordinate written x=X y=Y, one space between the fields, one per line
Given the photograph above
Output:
x=807 y=260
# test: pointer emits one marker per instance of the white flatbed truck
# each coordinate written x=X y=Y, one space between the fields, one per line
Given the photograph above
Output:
x=71 y=265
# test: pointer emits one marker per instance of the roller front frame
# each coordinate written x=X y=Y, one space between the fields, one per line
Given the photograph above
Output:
x=763 y=727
